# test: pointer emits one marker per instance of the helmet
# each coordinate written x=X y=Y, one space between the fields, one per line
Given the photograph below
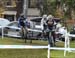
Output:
x=50 y=17
x=63 y=27
x=44 y=16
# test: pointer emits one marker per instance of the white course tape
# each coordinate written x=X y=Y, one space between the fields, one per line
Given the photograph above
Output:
x=22 y=47
x=34 y=47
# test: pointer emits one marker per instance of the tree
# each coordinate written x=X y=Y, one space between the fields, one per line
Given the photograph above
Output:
x=1 y=6
x=25 y=7
x=49 y=6
x=59 y=8
x=69 y=6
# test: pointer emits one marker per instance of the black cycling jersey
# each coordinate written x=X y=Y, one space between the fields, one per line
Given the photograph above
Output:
x=50 y=26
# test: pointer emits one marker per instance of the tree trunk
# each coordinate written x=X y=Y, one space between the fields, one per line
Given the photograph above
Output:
x=25 y=7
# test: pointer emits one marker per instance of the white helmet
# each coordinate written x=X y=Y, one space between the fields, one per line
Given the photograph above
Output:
x=50 y=17
x=44 y=16
x=63 y=27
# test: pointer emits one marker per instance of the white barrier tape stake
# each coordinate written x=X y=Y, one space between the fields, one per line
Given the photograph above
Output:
x=48 y=51
x=65 y=47
x=68 y=42
x=65 y=42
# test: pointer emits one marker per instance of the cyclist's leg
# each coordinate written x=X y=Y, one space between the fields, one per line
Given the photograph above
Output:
x=53 y=37
x=25 y=33
x=22 y=32
x=50 y=39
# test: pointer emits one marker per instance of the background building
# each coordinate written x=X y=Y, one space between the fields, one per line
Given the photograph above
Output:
x=11 y=9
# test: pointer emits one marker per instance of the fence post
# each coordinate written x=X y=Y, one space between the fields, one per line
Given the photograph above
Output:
x=69 y=43
x=48 y=51
x=66 y=42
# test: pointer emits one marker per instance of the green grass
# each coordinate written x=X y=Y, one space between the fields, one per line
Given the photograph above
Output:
x=32 y=53
x=15 y=41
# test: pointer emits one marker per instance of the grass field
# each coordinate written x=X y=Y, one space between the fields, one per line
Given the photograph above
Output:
x=32 y=53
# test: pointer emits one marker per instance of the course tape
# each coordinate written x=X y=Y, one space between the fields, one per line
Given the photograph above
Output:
x=32 y=47
x=22 y=46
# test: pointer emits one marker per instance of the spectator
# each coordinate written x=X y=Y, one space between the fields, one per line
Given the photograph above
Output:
x=61 y=34
x=62 y=31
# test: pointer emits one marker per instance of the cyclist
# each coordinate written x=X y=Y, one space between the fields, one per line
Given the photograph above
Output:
x=22 y=25
x=49 y=30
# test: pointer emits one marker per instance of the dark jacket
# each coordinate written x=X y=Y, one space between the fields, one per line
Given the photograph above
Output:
x=21 y=21
x=50 y=26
